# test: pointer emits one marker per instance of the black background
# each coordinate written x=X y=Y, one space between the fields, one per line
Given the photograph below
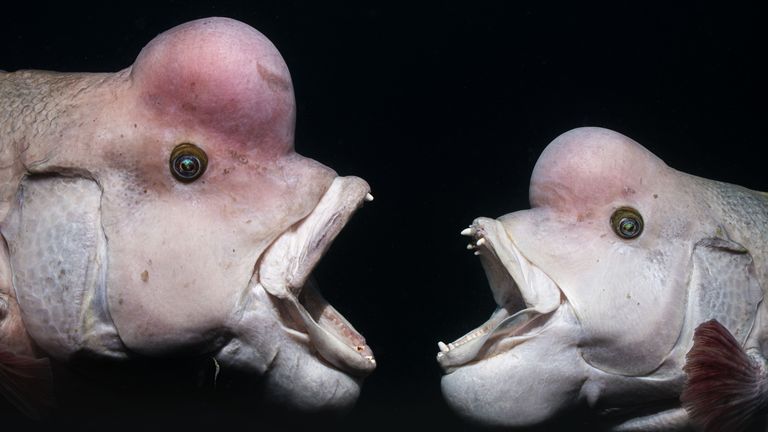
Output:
x=443 y=107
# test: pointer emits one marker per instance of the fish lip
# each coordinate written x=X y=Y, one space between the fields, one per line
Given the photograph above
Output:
x=526 y=299
x=284 y=272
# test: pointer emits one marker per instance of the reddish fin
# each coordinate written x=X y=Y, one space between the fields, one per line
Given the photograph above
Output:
x=27 y=383
x=725 y=388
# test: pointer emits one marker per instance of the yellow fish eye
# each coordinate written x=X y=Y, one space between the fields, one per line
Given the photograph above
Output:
x=627 y=222
x=188 y=162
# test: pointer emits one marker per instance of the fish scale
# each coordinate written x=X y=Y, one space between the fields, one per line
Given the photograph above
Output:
x=744 y=214
x=59 y=283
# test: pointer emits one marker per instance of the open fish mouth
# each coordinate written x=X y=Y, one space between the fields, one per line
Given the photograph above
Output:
x=284 y=271
x=525 y=296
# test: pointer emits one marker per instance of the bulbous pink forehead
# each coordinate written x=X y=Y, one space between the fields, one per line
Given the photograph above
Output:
x=222 y=75
x=592 y=166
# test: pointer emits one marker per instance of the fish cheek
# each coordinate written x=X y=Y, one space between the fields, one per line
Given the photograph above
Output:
x=625 y=293
x=177 y=264
x=635 y=312
x=180 y=261
x=174 y=276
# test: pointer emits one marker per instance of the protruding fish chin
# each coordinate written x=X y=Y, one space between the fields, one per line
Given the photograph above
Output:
x=524 y=387
x=525 y=296
x=284 y=273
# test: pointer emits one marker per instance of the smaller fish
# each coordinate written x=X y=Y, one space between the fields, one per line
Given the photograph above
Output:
x=726 y=386
x=600 y=287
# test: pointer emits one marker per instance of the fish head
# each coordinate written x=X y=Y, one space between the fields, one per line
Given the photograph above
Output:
x=591 y=281
x=205 y=223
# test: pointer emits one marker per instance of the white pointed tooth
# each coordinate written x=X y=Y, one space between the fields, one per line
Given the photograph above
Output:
x=481 y=241
x=477 y=253
x=468 y=231
x=470 y=246
x=368 y=197
x=443 y=347
x=451 y=346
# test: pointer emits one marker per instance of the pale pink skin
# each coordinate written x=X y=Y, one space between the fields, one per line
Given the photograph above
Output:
x=204 y=82
x=181 y=256
x=629 y=306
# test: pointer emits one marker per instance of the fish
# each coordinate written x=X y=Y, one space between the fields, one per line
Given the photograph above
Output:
x=628 y=290
x=162 y=211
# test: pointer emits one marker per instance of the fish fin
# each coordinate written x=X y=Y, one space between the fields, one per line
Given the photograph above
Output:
x=27 y=383
x=725 y=387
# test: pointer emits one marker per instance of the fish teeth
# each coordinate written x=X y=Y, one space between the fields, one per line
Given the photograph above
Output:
x=480 y=239
x=368 y=197
x=478 y=234
x=472 y=336
x=464 y=339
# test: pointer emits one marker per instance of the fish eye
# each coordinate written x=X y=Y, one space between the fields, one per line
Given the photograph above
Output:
x=188 y=162
x=627 y=222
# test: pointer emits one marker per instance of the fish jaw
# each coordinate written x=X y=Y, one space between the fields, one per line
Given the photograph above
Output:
x=526 y=299
x=510 y=390
x=489 y=376
x=306 y=322
x=286 y=265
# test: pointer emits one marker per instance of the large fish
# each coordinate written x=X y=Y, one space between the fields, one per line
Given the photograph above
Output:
x=161 y=210
x=627 y=285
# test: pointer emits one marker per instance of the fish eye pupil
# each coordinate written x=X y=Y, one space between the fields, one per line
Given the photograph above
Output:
x=188 y=162
x=627 y=223
x=187 y=165
x=628 y=226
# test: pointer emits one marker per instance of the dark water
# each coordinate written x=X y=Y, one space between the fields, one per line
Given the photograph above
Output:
x=443 y=107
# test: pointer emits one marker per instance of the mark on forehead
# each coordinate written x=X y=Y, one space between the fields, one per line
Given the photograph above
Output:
x=582 y=216
x=274 y=81
x=239 y=157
